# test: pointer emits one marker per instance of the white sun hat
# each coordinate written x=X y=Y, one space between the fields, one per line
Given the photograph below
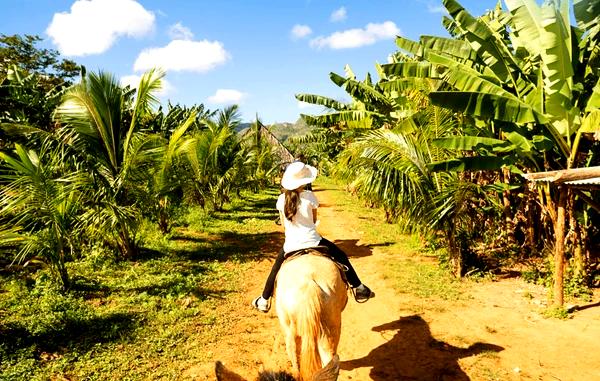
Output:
x=298 y=174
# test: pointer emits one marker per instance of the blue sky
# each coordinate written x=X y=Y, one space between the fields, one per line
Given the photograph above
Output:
x=256 y=53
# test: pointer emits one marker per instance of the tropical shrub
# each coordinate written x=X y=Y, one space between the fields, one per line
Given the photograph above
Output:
x=40 y=203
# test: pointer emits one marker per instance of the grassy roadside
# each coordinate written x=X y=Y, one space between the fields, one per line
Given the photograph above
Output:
x=407 y=266
x=146 y=319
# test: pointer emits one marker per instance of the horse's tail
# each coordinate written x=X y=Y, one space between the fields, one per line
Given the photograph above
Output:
x=309 y=330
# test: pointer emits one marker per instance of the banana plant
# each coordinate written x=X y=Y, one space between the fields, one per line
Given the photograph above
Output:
x=528 y=80
x=371 y=105
x=517 y=68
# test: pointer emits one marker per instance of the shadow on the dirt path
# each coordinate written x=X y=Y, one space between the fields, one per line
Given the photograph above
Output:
x=353 y=249
x=584 y=307
x=413 y=354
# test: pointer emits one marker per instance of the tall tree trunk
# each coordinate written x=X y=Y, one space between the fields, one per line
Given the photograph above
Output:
x=59 y=264
x=61 y=268
x=163 y=215
x=531 y=217
x=127 y=247
x=455 y=255
x=509 y=227
x=559 y=246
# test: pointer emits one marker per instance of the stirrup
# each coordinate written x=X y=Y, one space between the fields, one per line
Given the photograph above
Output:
x=362 y=299
x=256 y=306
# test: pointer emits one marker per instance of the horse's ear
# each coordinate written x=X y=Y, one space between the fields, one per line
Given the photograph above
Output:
x=224 y=374
x=330 y=372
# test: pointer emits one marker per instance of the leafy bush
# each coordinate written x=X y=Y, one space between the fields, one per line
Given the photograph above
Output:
x=43 y=309
x=575 y=285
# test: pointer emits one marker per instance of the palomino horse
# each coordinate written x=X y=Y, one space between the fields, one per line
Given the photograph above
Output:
x=310 y=297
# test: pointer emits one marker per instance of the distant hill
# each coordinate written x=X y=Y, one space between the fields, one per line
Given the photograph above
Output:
x=242 y=127
x=282 y=131
x=285 y=130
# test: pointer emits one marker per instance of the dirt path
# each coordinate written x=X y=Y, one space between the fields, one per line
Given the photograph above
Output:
x=496 y=333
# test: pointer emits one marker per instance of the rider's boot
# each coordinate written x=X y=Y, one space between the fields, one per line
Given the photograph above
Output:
x=362 y=293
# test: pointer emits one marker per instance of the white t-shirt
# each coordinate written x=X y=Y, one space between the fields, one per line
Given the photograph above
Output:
x=301 y=232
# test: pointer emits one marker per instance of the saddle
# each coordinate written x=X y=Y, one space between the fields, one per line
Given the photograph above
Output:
x=322 y=251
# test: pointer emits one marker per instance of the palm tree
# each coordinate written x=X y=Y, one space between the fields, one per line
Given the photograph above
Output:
x=168 y=176
x=101 y=122
x=41 y=206
x=214 y=158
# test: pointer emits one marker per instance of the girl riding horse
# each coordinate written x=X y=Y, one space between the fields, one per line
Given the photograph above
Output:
x=298 y=211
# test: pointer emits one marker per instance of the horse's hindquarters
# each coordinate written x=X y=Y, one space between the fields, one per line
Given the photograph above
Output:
x=310 y=297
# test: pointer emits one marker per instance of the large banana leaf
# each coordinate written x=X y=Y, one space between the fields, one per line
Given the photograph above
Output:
x=591 y=123
x=523 y=145
x=470 y=163
x=334 y=119
x=451 y=26
x=321 y=101
x=587 y=13
x=409 y=46
x=403 y=84
x=363 y=92
x=489 y=45
x=456 y=48
x=594 y=101
x=485 y=105
x=465 y=78
x=349 y=73
x=556 y=63
x=468 y=143
x=412 y=69
x=527 y=24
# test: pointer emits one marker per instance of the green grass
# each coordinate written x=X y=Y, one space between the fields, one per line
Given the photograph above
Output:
x=150 y=318
x=408 y=267
x=425 y=280
x=560 y=313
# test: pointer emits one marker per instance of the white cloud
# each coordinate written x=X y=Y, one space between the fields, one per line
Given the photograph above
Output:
x=338 y=15
x=130 y=80
x=180 y=32
x=134 y=80
x=300 y=31
x=227 y=96
x=93 y=26
x=183 y=55
x=354 y=38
